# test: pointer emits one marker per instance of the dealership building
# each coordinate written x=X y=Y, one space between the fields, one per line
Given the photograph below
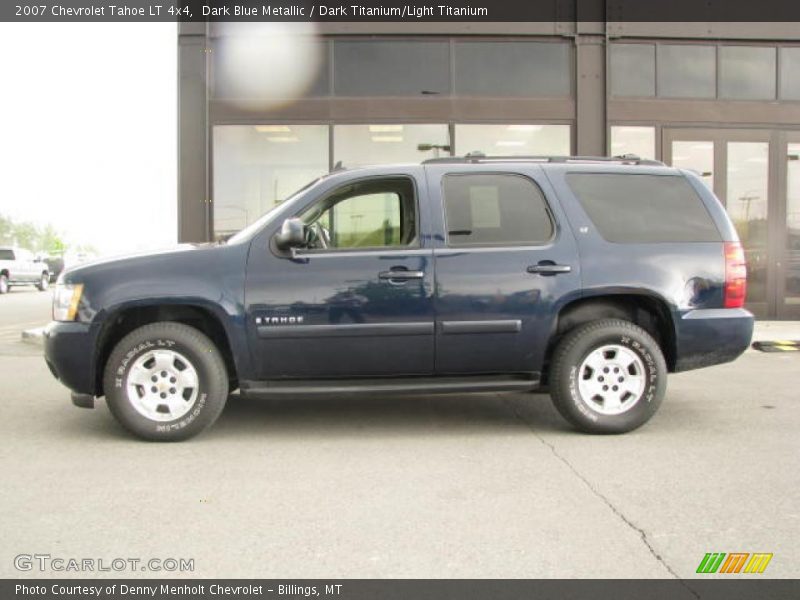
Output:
x=722 y=99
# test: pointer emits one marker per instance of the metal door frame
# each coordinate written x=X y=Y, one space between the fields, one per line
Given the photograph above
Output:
x=783 y=309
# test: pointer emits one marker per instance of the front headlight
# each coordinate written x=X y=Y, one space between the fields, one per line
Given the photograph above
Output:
x=65 y=301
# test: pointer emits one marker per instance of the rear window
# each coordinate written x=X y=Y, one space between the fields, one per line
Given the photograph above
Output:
x=6 y=255
x=644 y=208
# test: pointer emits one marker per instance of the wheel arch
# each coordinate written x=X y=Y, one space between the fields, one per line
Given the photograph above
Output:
x=123 y=320
x=648 y=311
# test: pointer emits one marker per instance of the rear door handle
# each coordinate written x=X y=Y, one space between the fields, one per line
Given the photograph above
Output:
x=549 y=269
x=401 y=275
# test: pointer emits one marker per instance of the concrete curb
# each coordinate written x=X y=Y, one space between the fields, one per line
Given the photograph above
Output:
x=34 y=336
x=776 y=330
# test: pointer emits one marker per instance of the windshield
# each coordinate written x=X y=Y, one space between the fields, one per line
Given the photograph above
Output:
x=251 y=229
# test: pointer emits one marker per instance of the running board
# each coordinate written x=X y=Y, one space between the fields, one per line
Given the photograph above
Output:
x=409 y=385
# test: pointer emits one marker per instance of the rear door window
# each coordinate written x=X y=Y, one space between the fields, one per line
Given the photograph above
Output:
x=632 y=208
x=495 y=210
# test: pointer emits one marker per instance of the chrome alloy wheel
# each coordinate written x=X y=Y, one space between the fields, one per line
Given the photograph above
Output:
x=162 y=385
x=611 y=379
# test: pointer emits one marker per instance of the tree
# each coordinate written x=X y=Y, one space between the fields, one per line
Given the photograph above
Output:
x=29 y=236
x=6 y=231
x=50 y=241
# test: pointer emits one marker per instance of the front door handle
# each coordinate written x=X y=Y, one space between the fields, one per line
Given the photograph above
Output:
x=549 y=268
x=401 y=275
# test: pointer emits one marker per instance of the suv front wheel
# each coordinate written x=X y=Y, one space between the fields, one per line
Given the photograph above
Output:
x=165 y=381
x=608 y=376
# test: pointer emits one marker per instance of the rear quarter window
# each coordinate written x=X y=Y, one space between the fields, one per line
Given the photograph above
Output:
x=6 y=255
x=631 y=208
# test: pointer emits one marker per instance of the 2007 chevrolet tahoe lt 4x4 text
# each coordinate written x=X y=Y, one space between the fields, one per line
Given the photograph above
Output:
x=592 y=278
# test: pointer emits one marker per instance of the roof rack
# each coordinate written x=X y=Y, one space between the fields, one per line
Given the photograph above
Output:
x=480 y=157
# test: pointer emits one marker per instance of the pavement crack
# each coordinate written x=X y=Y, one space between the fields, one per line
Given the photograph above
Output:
x=596 y=492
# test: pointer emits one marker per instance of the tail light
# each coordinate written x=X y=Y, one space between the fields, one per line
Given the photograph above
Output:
x=735 y=275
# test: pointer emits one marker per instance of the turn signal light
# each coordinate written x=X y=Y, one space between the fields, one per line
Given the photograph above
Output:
x=735 y=275
x=66 y=299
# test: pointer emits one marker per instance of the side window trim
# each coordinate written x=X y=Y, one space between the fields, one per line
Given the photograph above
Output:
x=554 y=225
x=404 y=250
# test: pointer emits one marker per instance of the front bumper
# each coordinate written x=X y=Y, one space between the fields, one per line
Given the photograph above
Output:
x=69 y=350
x=706 y=337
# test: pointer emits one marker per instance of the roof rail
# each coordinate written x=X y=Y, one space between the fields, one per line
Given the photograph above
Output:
x=479 y=157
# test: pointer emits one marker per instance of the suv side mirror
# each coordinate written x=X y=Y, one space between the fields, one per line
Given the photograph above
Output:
x=292 y=234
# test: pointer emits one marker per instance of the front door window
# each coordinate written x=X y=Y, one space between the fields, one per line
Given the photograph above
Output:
x=368 y=214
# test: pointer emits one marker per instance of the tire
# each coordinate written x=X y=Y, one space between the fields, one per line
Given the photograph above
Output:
x=190 y=378
x=587 y=390
x=4 y=287
x=44 y=282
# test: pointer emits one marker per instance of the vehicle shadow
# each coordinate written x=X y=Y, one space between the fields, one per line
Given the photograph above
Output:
x=394 y=416
x=352 y=418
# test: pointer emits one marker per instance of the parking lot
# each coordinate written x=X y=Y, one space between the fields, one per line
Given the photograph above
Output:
x=474 y=486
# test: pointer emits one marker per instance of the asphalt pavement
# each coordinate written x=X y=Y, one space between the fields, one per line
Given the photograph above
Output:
x=435 y=486
x=23 y=308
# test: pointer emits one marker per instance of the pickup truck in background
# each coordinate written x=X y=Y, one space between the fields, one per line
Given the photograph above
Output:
x=19 y=267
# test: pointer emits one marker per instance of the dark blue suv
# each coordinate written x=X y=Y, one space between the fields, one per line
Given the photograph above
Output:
x=590 y=278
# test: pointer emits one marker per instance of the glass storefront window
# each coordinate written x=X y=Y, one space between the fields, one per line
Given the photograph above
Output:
x=790 y=66
x=792 y=287
x=746 y=202
x=512 y=68
x=697 y=156
x=687 y=71
x=747 y=72
x=633 y=70
x=631 y=139
x=268 y=70
x=258 y=166
x=361 y=145
x=516 y=139
x=391 y=68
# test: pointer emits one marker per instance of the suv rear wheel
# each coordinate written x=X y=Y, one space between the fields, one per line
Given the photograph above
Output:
x=165 y=381
x=4 y=287
x=608 y=376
